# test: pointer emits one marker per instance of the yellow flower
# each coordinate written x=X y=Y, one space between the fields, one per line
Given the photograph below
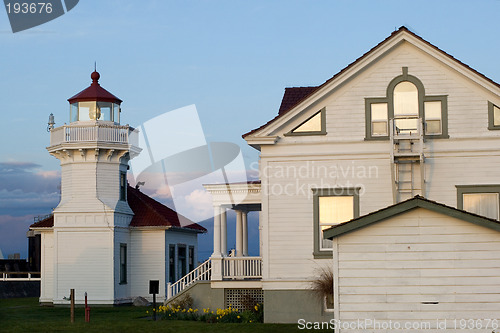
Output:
x=256 y=308
x=238 y=317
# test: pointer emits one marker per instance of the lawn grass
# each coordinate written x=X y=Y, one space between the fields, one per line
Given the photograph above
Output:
x=25 y=315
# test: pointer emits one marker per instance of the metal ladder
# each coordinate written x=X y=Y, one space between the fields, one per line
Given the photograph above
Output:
x=407 y=162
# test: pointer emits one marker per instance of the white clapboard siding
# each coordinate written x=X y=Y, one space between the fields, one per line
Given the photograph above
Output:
x=469 y=156
x=399 y=275
x=147 y=261
x=122 y=291
x=85 y=263
x=47 y=267
x=96 y=186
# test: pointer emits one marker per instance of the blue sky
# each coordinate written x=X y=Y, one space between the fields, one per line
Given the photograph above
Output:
x=232 y=59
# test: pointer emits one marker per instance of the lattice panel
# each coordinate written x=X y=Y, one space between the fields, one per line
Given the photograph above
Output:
x=243 y=299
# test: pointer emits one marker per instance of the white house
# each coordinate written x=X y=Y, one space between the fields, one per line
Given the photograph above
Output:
x=106 y=238
x=404 y=119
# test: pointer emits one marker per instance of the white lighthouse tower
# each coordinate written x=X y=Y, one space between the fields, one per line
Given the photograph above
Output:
x=91 y=238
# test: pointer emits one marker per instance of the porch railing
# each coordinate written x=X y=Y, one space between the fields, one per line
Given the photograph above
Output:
x=242 y=268
x=20 y=276
x=88 y=133
x=200 y=273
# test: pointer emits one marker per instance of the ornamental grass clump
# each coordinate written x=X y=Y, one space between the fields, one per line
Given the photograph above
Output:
x=322 y=285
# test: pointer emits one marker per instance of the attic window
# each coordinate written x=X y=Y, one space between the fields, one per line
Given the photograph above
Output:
x=407 y=104
x=314 y=125
x=493 y=116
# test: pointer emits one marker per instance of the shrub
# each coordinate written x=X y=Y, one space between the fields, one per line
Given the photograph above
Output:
x=322 y=285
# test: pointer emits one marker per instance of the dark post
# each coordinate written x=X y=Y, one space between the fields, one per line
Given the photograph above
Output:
x=87 y=310
x=72 y=299
x=154 y=288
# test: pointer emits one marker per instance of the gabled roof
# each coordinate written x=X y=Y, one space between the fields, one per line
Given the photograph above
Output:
x=45 y=223
x=150 y=213
x=403 y=207
x=288 y=104
x=95 y=92
x=147 y=213
x=294 y=95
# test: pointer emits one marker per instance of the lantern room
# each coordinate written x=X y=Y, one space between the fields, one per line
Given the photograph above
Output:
x=95 y=104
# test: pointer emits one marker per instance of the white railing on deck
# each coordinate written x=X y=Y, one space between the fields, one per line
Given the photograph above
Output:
x=11 y=276
x=200 y=273
x=93 y=132
x=242 y=268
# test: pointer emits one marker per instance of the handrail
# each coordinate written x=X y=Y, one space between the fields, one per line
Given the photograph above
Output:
x=200 y=273
x=90 y=132
x=7 y=276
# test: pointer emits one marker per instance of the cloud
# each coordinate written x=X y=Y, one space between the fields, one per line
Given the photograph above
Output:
x=27 y=177
x=13 y=234
x=200 y=204
x=25 y=191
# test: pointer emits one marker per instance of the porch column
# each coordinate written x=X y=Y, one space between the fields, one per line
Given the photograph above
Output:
x=245 y=233
x=217 y=231
x=239 y=233
x=223 y=231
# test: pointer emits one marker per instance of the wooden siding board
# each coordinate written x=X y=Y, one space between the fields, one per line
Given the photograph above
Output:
x=390 y=279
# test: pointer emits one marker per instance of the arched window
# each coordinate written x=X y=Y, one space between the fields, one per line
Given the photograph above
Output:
x=405 y=99
x=405 y=102
x=408 y=105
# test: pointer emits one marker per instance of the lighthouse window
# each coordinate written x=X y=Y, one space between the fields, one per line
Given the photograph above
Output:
x=123 y=186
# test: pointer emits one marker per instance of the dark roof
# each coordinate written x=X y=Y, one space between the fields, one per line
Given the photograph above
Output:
x=147 y=213
x=405 y=206
x=294 y=95
x=45 y=223
x=150 y=213
x=289 y=105
x=95 y=93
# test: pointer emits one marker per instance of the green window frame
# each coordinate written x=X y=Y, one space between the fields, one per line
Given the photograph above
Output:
x=123 y=263
x=493 y=116
x=477 y=189
x=353 y=192
x=322 y=131
x=422 y=101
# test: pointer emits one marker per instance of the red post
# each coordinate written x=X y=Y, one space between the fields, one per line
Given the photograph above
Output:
x=87 y=310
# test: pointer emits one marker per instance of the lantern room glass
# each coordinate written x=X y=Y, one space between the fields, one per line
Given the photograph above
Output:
x=94 y=110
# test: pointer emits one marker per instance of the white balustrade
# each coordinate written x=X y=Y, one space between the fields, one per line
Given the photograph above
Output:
x=89 y=133
x=242 y=268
